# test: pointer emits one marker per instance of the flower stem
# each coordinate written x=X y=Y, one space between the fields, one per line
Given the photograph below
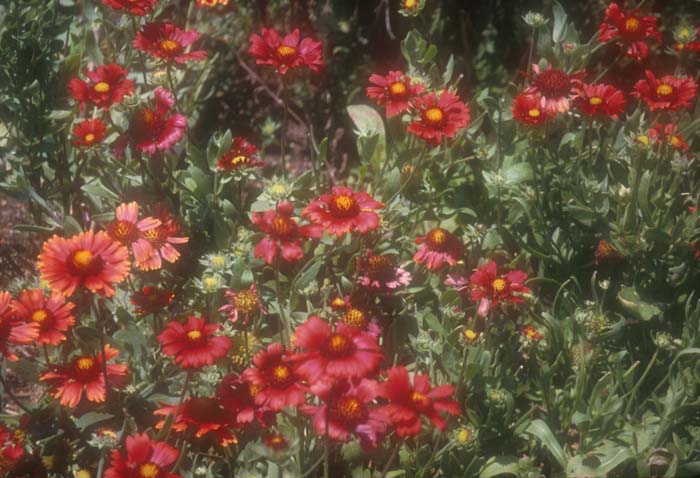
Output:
x=284 y=325
x=101 y=332
x=389 y=461
x=283 y=139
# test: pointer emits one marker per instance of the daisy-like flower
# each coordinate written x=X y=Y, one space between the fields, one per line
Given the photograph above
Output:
x=346 y=410
x=238 y=399
x=89 y=132
x=151 y=299
x=629 y=28
x=162 y=239
x=152 y=128
x=275 y=380
x=240 y=156
x=665 y=93
x=379 y=272
x=528 y=110
x=530 y=333
x=133 y=7
x=51 y=314
x=129 y=231
x=600 y=100
x=607 y=255
x=12 y=329
x=276 y=442
x=339 y=303
x=90 y=259
x=193 y=344
x=439 y=115
x=554 y=87
x=84 y=375
x=201 y=415
x=490 y=289
x=168 y=42
x=344 y=210
x=408 y=403
x=283 y=235
x=12 y=444
x=269 y=48
x=668 y=133
x=144 y=458
x=395 y=91
x=343 y=353
x=244 y=304
x=438 y=246
x=107 y=85
x=359 y=319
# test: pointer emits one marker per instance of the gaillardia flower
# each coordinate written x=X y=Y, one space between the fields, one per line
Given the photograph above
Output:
x=275 y=380
x=151 y=299
x=241 y=155
x=88 y=132
x=243 y=303
x=490 y=289
x=106 y=85
x=670 y=134
x=439 y=114
x=528 y=110
x=193 y=344
x=51 y=314
x=629 y=28
x=665 y=93
x=145 y=458
x=395 y=91
x=132 y=7
x=438 y=246
x=600 y=100
x=168 y=42
x=408 y=403
x=12 y=329
x=203 y=416
x=554 y=87
x=90 y=259
x=269 y=48
x=282 y=234
x=128 y=230
x=377 y=271
x=84 y=374
x=344 y=210
x=162 y=239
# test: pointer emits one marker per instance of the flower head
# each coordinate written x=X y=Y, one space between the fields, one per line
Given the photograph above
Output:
x=607 y=255
x=273 y=375
x=240 y=156
x=665 y=93
x=132 y=7
x=127 y=229
x=283 y=235
x=554 y=87
x=107 y=85
x=243 y=303
x=13 y=329
x=285 y=53
x=276 y=441
x=379 y=272
x=629 y=28
x=439 y=115
x=531 y=333
x=490 y=289
x=51 y=314
x=344 y=210
x=90 y=259
x=205 y=416
x=600 y=100
x=162 y=240
x=89 y=132
x=237 y=396
x=669 y=134
x=167 y=42
x=395 y=91
x=438 y=246
x=528 y=110
x=150 y=299
x=193 y=344
x=144 y=458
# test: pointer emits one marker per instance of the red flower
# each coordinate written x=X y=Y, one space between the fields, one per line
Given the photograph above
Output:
x=269 y=48
x=276 y=441
x=666 y=93
x=51 y=314
x=394 y=90
x=408 y=403
x=133 y=7
x=91 y=260
x=438 y=246
x=600 y=100
x=241 y=155
x=162 y=239
x=85 y=373
x=128 y=230
x=13 y=330
x=347 y=410
x=150 y=299
x=145 y=458
x=359 y=319
x=107 y=86
x=554 y=87
x=11 y=448
x=528 y=110
x=193 y=344
x=243 y=302
x=606 y=255
x=529 y=332
x=89 y=132
x=344 y=211
x=630 y=29
x=343 y=353
x=669 y=134
x=166 y=41
x=203 y=416
x=275 y=380
x=439 y=116
x=238 y=399
x=489 y=289
x=339 y=303
x=379 y=272
x=283 y=235
x=151 y=128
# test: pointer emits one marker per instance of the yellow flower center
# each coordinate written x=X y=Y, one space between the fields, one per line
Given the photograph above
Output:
x=39 y=316
x=419 y=399
x=210 y=283
x=85 y=363
x=354 y=318
x=664 y=89
x=149 y=470
x=281 y=373
x=82 y=259
x=684 y=34
x=410 y=4
x=338 y=303
x=463 y=435
x=397 y=89
x=676 y=142
x=643 y=139
x=194 y=335
x=437 y=237
x=101 y=87
x=169 y=46
x=343 y=203
x=433 y=116
x=285 y=51
x=89 y=138
x=338 y=344
x=246 y=301
x=595 y=100
x=350 y=408
x=470 y=335
x=82 y=474
x=631 y=24
x=534 y=113
x=498 y=285
x=238 y=160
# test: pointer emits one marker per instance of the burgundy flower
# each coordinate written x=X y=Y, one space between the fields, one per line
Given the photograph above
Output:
x=283 y=235
x=629 y=28
x=379 y=272
x=665 y=93
x=275 y=379
x=193 y=344
x=107 y=85
x=241 y=155
x=144 y=458
x=600 y=100
x=490 y=289
x=394 y=90
x=89 y=132
x=269 y=48
x=528 y=110
x=168 y=42
x=438 y=247
x=344 y=210
x=554 y=87
x=439 y=115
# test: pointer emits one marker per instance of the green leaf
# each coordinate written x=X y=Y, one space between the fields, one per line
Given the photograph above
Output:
x=91 y=418
x=499 y=466
x=559 y=27
x=540 y=430
x=100 y=190
x=517 y=174
x=632 y=303
x=366 y=119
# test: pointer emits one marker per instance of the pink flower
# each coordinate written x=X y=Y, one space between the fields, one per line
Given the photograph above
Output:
x=283 y=235
x=168 y=42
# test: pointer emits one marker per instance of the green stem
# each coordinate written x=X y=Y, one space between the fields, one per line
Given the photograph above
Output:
x=634 y=390
x=284 y=325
